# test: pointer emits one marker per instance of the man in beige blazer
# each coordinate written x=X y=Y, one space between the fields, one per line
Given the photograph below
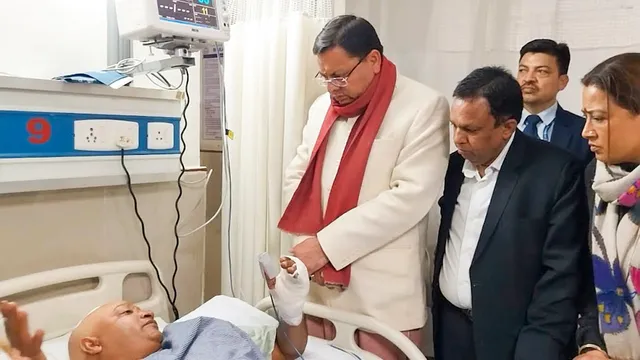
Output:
x=370 y=167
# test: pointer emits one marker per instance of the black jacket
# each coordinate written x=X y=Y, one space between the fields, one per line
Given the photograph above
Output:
x=588 y=324
x=526 y=271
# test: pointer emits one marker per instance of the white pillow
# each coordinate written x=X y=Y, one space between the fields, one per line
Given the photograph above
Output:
x=261 y=327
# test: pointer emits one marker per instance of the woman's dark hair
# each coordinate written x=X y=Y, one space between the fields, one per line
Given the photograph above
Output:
x=619 y=77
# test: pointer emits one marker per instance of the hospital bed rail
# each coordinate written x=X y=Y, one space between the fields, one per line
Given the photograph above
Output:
x=346 y=324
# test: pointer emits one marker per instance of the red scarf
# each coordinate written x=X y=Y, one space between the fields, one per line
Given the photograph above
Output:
x=304 y=215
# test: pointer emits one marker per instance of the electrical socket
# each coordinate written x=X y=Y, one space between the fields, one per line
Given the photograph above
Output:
x=159 y=136
x=105 y=135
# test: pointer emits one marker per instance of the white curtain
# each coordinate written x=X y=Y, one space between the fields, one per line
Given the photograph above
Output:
x=269 y=79
x=439 y=42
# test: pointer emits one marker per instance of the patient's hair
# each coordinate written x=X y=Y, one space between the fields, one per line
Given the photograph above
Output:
x=498 y=87
x=547 y=46
x=352 y=33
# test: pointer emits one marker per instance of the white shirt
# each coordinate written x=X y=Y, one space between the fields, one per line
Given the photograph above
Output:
x=466 y=225
x=547 y=116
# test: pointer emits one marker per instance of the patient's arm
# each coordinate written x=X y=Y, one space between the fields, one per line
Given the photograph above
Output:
x=289 y=337
x=22 y=345
x=288 y=298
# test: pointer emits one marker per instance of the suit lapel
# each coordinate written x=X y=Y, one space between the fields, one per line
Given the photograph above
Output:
x=562 y=134
x=453 y=182
x=456 y=177
x=506 y=182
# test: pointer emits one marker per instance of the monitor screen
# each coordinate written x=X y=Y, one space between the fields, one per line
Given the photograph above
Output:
x=189 y=12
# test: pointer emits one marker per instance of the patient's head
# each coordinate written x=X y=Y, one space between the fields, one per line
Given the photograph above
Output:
x=115 y=331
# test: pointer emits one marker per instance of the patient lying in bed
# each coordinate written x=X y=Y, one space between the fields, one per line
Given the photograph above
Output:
x=122 y=331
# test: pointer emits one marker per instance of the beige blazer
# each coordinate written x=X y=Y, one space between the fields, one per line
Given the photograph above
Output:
x=384 y=237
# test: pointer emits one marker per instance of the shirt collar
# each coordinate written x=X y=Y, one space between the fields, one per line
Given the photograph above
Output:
x=470 y=171
x=547 y=115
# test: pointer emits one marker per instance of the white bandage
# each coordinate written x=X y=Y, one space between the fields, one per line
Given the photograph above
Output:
x=290 y=293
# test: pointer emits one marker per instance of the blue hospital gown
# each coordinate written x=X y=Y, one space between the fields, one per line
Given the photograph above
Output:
x=205 y=338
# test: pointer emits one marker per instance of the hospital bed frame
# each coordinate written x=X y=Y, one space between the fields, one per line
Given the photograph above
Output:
x=346 y=324
x=59 y=314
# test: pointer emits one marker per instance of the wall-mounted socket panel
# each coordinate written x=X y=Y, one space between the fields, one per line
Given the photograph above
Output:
x=160 y=135
x=44 y=126
x=105 y=135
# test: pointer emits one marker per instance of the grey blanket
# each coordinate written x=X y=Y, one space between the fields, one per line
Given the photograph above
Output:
x=206 y=339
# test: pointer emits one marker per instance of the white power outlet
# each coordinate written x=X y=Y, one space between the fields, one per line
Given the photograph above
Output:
x=159 y=136
x=105 y=135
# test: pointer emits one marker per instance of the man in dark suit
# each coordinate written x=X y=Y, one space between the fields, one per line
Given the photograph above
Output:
x=514 y=226
x=542 y=74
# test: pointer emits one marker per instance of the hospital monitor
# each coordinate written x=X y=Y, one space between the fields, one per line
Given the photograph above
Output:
x=171 y=24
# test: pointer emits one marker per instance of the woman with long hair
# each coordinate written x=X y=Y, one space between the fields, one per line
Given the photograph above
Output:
x=611 y=104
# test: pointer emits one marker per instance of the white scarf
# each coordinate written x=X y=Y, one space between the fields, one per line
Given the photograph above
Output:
x=616 y=261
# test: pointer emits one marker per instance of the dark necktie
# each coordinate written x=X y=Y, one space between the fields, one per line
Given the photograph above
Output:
x=531 y=126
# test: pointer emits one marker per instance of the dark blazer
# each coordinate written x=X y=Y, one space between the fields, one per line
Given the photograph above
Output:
x=567 y=133
x=588 y=324
x=525 y=274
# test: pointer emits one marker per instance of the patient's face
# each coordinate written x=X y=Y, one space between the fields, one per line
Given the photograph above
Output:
x=338 y=64
x=122 y=331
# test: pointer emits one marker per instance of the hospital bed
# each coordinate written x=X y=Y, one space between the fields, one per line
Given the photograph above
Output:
x=58 y=314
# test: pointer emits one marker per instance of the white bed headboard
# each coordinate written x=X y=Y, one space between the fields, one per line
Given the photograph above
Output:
x=59 y=314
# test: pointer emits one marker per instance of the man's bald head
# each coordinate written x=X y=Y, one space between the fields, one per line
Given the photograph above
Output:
x=115 y=331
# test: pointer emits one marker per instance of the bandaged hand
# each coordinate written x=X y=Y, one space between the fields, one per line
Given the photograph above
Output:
x=290 y=289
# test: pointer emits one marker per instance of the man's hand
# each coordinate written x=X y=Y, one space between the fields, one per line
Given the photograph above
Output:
x=593 y=355
x=16 y=324
x=311 y=254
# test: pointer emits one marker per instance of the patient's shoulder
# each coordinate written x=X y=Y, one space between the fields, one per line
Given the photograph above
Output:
x=201 y=324
x=207 y=338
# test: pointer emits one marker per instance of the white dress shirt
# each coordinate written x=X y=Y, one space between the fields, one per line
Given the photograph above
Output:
x=466 y=225
x=547 y=116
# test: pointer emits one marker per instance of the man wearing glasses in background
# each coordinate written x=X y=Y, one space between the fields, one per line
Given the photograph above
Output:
x=370 y=167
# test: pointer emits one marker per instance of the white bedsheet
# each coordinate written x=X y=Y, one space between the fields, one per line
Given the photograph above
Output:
x=318 y=349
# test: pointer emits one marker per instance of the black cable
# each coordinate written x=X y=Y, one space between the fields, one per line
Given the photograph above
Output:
x=163 y=79
x=144 y=234
x=185 y=73
x=226 y=161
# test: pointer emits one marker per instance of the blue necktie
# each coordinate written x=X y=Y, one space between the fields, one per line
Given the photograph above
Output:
x=531 y=127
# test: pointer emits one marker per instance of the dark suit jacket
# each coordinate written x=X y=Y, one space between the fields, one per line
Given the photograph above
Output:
x=588 y=324
x=525 y=273
x=567 y=133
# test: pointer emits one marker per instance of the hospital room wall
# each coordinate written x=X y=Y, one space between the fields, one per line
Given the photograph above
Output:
x=43 y=231
x=47 y=230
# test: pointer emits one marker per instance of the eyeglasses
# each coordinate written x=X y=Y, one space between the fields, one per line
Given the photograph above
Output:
x=340 y=81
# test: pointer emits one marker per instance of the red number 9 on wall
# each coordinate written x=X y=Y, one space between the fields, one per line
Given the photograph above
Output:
x=39 y=130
